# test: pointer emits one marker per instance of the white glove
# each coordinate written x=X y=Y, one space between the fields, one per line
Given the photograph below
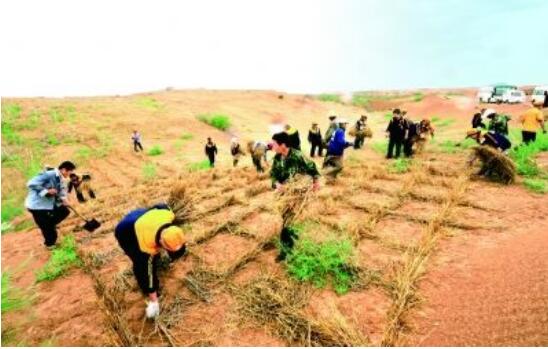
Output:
x=153 y=309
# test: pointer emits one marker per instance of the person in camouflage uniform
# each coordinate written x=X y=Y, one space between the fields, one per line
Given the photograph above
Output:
x=287 y=163
x=499 y=123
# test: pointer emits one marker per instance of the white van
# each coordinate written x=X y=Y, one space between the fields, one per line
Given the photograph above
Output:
x=538 y=94
x=484 y=94
x=513 y=96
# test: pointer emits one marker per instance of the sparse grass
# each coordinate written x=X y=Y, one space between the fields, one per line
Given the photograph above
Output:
x=524 y=157
x=155 y=150
x=149 y=103
x=399 y=166
x=380 y=146
x=452 y=147
x=329 y=97
x=219 y=121
x=13 y=298
x=442 y=122
x=417 y=97
x=199 y=166
x=323 y=263
x=186 y=136
x=62 y=259
x=536 y=185
x=149 y=171
x=361 y=100
x=51 y=139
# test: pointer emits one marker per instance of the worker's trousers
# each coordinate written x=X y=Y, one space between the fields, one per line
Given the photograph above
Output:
x=394 y=142
x=47 y=220
x=334 y=163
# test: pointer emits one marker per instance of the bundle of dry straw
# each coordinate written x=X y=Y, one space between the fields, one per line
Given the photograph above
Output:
x=495 y=165
x=293 y=199
x=181 y=203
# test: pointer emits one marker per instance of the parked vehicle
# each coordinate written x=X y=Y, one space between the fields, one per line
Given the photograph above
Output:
x=499 y=90
x=538 y=94
x=484 y=94
x=513 y=96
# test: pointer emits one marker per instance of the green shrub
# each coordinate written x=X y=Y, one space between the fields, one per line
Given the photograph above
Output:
x=199 y=166
x=149 y=103
x=219 y=121
x=417 y=97
x=361 y=100
x=61 y=260
x=13 y=298
x=323 y=264
x=399 y=166
x=536 y=185
x=149 y=171
x=155 y=150
x=9 y=135
x=327 y=97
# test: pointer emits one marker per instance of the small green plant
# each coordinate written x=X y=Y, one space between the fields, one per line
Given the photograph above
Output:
x=323 y=263
x=417 y=97
x=524 y=157
x=186 y=136
x=361 y=100
x=219 y=121
x=56 y=114
x=62 y=259
x=536 y=185
x=52 y=139
x=155 y=150
x=329 y=97
x=10 y=210
x=13 y=298
x=149 y=103
x=149 y=171
x=399 y=166
x=439 y=122
x=199 y=166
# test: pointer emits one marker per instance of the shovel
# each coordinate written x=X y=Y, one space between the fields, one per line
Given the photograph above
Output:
x=91 y=224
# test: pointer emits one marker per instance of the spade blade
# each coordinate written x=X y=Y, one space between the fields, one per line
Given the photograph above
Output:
x=91 y=225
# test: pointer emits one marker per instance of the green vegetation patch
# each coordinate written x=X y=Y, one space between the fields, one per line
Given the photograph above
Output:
x=323 y=264
x=536 y=185
x=149 y=171
x=155 y=150
x=149 y=103
x=10 y=210
x=329 y=97
x=62 y=259
x=13 y=298
x=452 y=147
x=417 y=97
x=399 y=166
x=199 y=166
x=442 y=122
x=361 y=100
x=186 y=136
x=380 y=146
x=219 y=121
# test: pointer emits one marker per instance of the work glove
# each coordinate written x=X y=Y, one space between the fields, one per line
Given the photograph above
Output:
x=153 y=309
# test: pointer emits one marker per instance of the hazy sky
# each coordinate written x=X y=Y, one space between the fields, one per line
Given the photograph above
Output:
x=68 y=47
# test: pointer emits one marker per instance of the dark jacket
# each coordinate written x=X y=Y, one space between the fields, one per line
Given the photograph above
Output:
x=210 y=149
x=294 y=138
x=477 y=121
x=396 y=128
x=315 y=136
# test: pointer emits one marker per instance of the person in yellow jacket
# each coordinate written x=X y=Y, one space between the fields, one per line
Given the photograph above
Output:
x=142 y=234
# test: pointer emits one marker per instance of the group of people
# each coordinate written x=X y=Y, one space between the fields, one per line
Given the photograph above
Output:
x=496 y=132
x=404 y=133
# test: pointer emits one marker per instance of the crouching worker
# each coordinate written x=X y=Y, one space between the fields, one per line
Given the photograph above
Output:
x=142 y=234
x=81 y=184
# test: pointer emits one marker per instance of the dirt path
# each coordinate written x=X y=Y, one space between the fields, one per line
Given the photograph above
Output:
x=492 y=292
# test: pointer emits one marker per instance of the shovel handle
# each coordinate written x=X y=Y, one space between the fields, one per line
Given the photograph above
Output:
x=78 y=214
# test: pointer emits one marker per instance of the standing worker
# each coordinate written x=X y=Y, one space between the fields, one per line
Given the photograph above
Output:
x=211 y=151
x=330 y=130
x=287 y=163
x=315 y=140
x=258 y=151
x=361 y=124
x=47 y=200
x=396 y=133
x=531 y=121
x=335 y=151
x=136 y=138
x=142 y=234
x=294 y=138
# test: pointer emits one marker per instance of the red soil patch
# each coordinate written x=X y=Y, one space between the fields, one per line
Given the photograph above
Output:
x=223 y=251
x=372 y=255
x=399 y=230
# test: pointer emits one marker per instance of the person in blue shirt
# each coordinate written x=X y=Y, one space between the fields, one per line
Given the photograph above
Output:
x=335 y=150
x=47 y=200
